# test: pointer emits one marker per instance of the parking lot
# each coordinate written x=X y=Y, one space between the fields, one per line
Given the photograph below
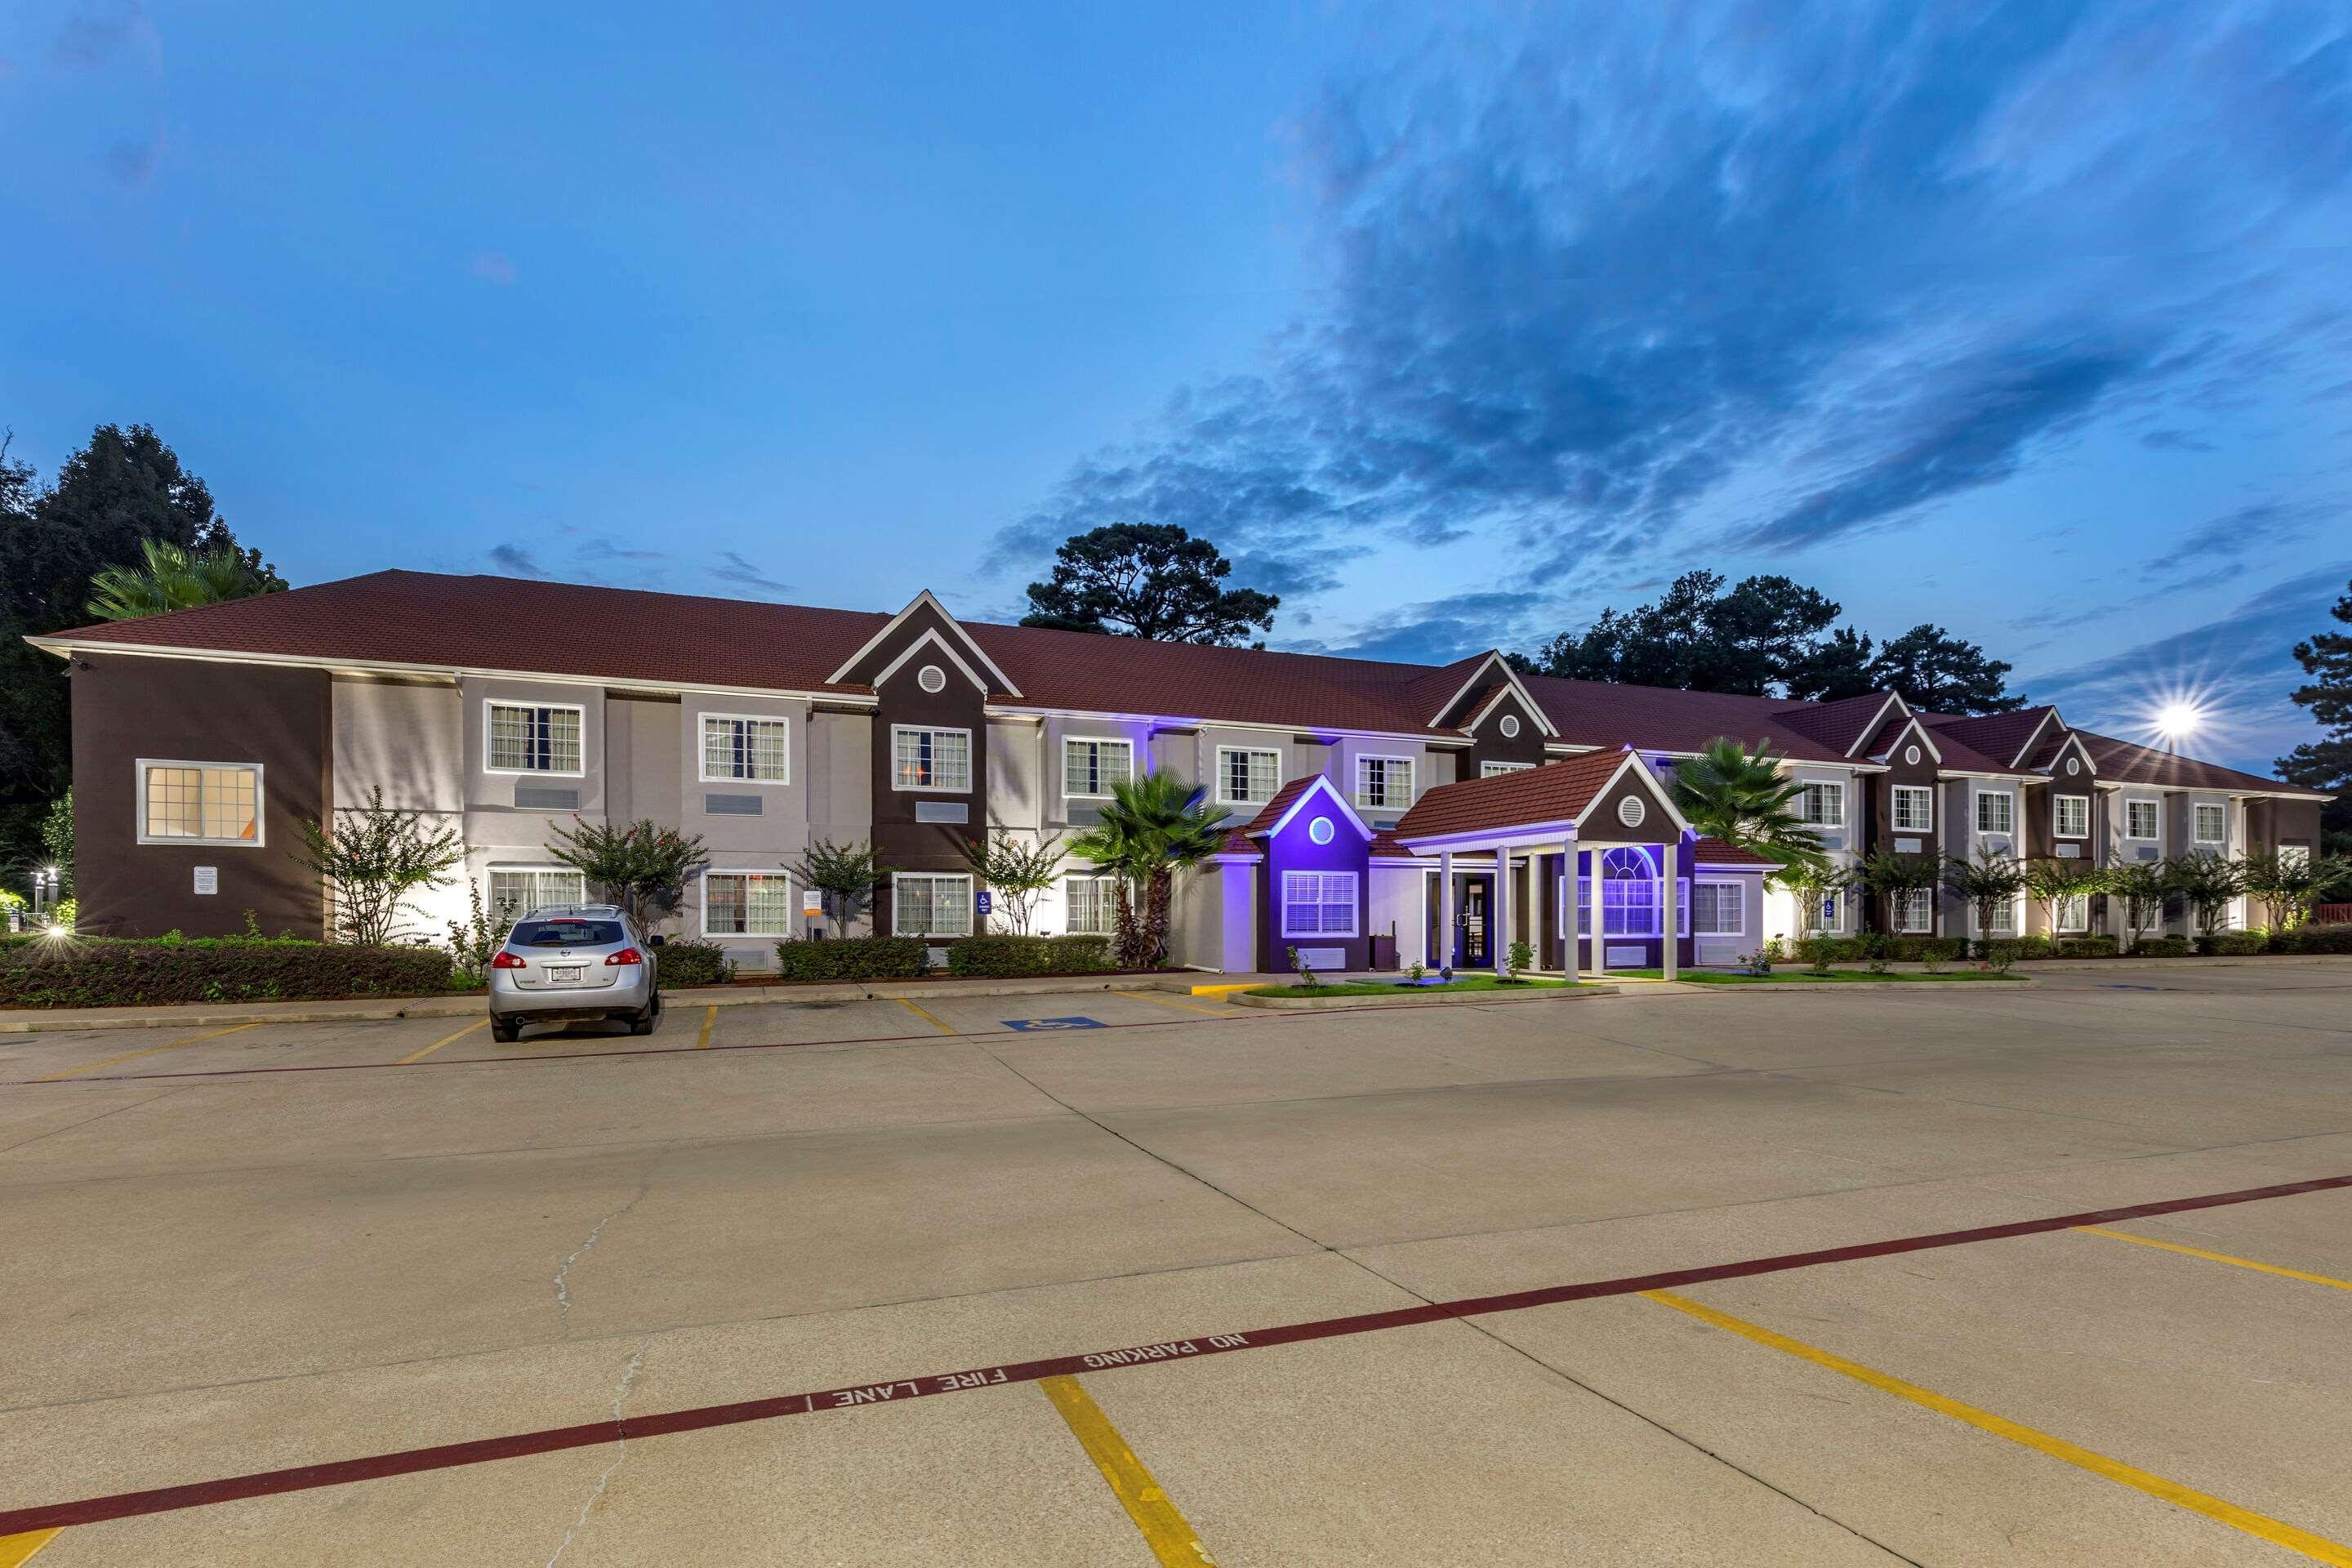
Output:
x=1673 y=1277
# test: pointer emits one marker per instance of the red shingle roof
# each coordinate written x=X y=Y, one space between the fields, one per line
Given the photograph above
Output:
x=1716 y=852
x=2121 y=762
x=1529 y=797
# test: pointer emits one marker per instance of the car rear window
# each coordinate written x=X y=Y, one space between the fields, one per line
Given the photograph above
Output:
x=566 y=933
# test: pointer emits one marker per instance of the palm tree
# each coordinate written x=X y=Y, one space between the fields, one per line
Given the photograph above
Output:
x=1153 y=826
x=1742 y=799
x=173 y=579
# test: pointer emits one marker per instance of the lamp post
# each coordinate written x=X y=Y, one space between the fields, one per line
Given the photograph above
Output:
x=45 y=888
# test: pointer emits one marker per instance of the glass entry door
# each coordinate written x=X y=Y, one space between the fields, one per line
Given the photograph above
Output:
x=1476 y=923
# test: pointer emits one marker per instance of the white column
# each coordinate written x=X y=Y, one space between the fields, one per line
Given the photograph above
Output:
x=1444 y=954
x=1571 y=962
x=1669 y=905
x=1502 y=945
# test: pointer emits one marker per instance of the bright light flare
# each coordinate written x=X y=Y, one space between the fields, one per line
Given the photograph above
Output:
x=2179 y=721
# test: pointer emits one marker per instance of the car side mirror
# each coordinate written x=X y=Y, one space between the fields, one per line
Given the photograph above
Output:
x=656 y=940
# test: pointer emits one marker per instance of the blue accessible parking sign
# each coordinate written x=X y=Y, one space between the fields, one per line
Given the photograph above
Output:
x=1034 y=1024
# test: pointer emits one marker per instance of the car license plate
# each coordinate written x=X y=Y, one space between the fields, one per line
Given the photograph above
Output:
x=566 y=973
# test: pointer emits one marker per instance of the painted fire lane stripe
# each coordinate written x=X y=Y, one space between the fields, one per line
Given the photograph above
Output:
x=444 y=1040
x=375 y=1467
x=147 y=1051
x=709 y=1022
x=18 y=1549
x=2259 y=1525
x=1172 y=1537
x=2218 y=1257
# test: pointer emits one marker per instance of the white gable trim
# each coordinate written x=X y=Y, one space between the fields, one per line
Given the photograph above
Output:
x=931 y=638
x=1005 y=682
x=1913 y=727
x=1895 y=700
x=2030 y=740
x=1322 y=785
x=2074 y=742
x=1650 y=780
x=1511 y=681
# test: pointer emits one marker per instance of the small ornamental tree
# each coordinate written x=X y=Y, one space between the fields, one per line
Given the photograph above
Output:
x=2208 y=881
x=375 y=857
x=643 y=866
x=1812 y=883
x=1887 y=875
x=1015 y=871
x=2285 y=884
x=1986 y=882
x=2051 y=882
x=846 y=875
x=2140 y=887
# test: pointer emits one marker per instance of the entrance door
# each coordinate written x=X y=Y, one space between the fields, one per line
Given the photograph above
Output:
x=1476 y=924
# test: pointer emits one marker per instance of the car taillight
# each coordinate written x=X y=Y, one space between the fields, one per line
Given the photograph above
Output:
x=626 y=955
x=507 y=961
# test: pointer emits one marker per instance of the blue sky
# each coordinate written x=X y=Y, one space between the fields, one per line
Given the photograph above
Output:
x=1453 y=324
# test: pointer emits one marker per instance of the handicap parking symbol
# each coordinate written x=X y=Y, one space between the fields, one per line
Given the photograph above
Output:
x=1027 y=1024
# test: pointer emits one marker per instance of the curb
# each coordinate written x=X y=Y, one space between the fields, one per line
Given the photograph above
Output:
x=1404 y=998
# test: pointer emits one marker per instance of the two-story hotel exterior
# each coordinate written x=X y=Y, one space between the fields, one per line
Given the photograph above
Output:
x=1372 y=805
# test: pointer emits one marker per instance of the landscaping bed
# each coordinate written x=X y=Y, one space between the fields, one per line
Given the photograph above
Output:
x=1482 y=988
x=111 y=972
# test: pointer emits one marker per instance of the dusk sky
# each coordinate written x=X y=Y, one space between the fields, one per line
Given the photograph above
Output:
x=2029 y=320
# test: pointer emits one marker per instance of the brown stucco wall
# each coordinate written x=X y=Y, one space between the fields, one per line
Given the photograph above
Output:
x=1488 y=744
x=899 y=840
x=128 y=708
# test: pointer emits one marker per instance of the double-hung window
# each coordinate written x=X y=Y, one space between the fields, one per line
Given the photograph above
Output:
x=1717 y=909
x=930 y=758
x=1915 y=911
x=516 y=890
x=2070 y=815
x=1384 y=783
x=1997 y=812
x=2004 y=917
x=1090 y=767
x=2211 y=823
x=1247 y=775
x=1822 y=804
x=745 y=749
x=1092 y=903
x=2073 y=915
x=1914 y=808
x=746 y=903
x=2140 y=819
x=532 y=737
x=199 y=802
x=1489 y=770
x=1319 y=903
x=923 y=904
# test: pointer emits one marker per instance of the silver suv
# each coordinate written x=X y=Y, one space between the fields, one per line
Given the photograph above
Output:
x=569 y=963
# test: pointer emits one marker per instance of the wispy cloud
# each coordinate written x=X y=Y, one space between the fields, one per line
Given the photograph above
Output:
x=2174 y=441
x=517 y=561
x=2210 y=550
x=732 y=569
x=492 y=267
x=101 y=35
x=1440 y=631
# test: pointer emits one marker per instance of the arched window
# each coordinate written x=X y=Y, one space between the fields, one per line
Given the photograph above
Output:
x=1629 y=892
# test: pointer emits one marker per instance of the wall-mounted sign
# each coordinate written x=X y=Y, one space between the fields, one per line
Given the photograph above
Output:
x=813 y=904
x=208 y=878
x=982 y=902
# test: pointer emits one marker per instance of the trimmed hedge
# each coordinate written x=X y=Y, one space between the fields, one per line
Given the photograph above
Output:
x=1879 y=945
x=681 y=962
x=2233 y=943
x=853 y=958
x=2313 y=939
x=115 y=971
x=998 y=957
x=2087 y=947
x=2161 y=947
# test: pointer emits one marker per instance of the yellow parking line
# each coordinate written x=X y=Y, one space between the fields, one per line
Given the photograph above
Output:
x=942 y=1028
x=2217 y=1256
x=444 y=1040
x=1221 y=990
x=709 y=1018
x=1172 y=1540
x=145 y=1051
x=2261 y=1526
x=16 y=1549
x=1171 y=1001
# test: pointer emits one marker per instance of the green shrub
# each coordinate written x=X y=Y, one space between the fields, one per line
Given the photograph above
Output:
x=2018 y=946
x=682 y=961
x=996 y=957
x=109 y=971
x=2313 y=939
x=1820 y=950
x=2087 y=947
x=2233 y=943
x=853 y=958
x=1915 y=948
x=2161 y=947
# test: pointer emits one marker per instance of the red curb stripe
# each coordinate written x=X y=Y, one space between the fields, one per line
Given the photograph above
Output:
x=449 y=1456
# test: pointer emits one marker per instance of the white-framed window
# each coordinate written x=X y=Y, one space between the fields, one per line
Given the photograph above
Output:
x=2140 y=819
x=2211 y=823
x=2004 y=917
x=516 y=890
x=1247 y=775
x=532 y=737
x=748 y=903
x=1319 y=903
x=1914 y=911
x=1822 y=804
x=2070 y=815
x=926 y=904
x=1489 y=770
x=1997 y=812
x=2073 y=915
x=1384 y=783
x=930 y=758
x=1090 y=766
x=1829 y=915
x=1629 y=910
x=1718 y=908
x=1914 y=808
x=1092 y=906
x=746 y=748
x=2295 y=856
x=199 y=802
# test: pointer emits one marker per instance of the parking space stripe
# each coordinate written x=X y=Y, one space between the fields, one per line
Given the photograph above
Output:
x=145 y=1051
x=1171 y=1002
x=2215 y=1257
x=444 y=1040
x=450 y=1456
x=930 y=1018
x=16 y=1549
x=1172 y=1540
x=2261 y=1526
x=709 y=1022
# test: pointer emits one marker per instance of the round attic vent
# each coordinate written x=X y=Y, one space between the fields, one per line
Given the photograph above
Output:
x=1631 y=811
x=931 y=678
x=1320 y=830
x=2073 y=766
x=1911 y=755
x=1509 y=726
